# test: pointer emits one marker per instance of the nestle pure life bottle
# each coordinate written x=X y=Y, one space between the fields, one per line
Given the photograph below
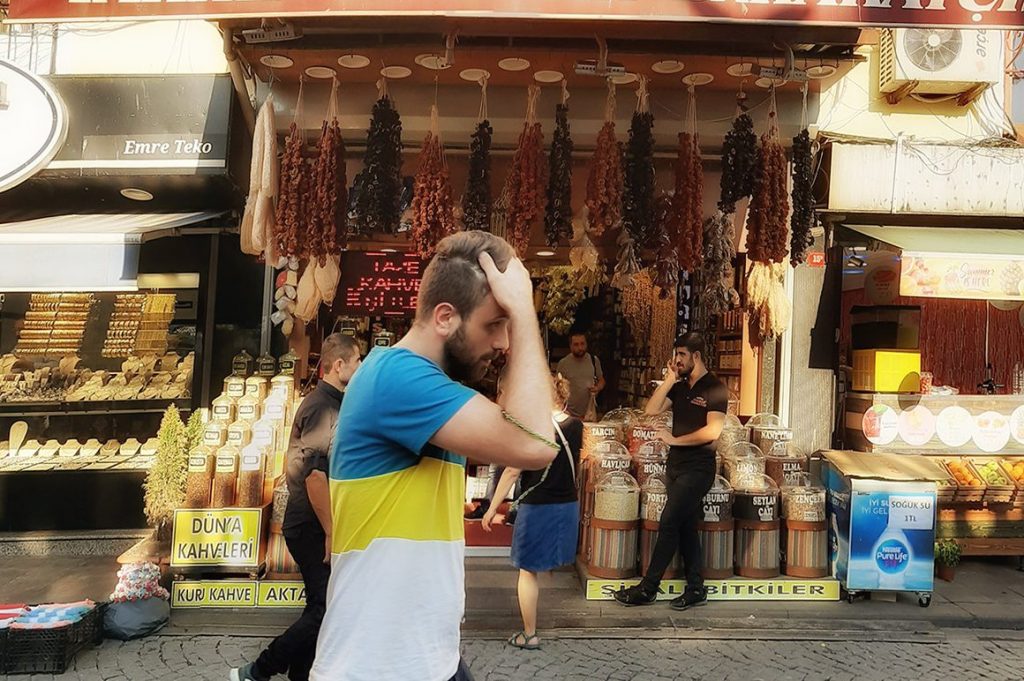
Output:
x=893 y=557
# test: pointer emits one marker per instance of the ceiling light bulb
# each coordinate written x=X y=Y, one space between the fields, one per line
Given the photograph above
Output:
x=136 y=194
x=353 y=61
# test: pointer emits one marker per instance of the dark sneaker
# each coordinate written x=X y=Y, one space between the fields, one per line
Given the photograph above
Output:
x=246 y=673
x=691 y=598
x=635 y=595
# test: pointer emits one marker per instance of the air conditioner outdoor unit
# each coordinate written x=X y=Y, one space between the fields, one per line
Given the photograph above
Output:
x=939 y=62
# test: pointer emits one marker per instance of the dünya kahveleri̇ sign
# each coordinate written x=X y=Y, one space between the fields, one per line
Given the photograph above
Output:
x=33 y=124
x=965 y=13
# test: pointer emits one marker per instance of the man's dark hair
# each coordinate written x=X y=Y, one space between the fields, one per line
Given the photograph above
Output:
x=692 y=341
x=454 y=275
x=337 y=346
x=578 y=334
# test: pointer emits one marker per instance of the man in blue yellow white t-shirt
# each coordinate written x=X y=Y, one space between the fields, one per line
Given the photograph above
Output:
x=396 y=596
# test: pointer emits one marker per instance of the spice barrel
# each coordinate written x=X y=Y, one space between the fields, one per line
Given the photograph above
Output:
x=614 y=527
x=613 y=552
x=716 y=531
x=648 y=538
x=596 y=433
x=716 y=541
x=607 y=457
x=756 y=512
x=806 y=549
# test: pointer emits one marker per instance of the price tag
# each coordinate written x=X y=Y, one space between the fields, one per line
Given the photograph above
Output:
x=914 y=512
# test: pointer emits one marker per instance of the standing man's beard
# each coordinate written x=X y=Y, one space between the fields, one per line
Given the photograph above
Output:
x=460 y=364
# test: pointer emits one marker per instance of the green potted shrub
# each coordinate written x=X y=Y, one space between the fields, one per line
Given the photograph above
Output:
x=947 y=557
x=165 y=483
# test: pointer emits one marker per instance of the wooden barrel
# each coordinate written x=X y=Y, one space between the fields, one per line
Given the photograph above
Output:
x=613 y=548
x=757 y=548
x=806 y=549
x=648 y=538
x=280 y=564
x=716 y=541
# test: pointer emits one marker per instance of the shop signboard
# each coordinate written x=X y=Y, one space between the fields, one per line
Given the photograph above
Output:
x=33 y=124
x=238 y=593
x=179 y=125
x=988 y=277
x=225 y=537
x=219 y=593
x=281 y=594
x=778 y=589
x=967 y=13
x=378 y=284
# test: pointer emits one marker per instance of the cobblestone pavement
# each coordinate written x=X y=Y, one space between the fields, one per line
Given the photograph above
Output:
x=967 y=657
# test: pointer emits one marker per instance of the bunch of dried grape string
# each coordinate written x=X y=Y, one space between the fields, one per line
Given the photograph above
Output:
x=526 y=179
x=558 y=213
x=767 y=236
x=688 y=200
x=604 y=181
x=476 y=201
x=432 y=206
x=639 y=174
x=379 y=198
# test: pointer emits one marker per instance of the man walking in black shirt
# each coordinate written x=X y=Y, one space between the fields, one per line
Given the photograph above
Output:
x=699 y=402
x=307 y=519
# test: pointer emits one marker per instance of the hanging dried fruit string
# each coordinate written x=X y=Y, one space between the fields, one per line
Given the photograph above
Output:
x=379 y=184
x=688 y=201
x=526 y=179
x=637 y=297
x=638 y=192
x=803 y=218
x=432 y=218
x=663 y=329
x=666 y=265
x=767 y=236
x=562 y=295
x=558 y=215
x=604 y=182
x=294 y=187
x=718 y=294
x=739 y=155
x=585 y=259
x=476 y=201
x=326 y=226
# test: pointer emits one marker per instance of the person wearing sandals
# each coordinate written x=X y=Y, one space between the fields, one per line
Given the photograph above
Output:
x=548 y=516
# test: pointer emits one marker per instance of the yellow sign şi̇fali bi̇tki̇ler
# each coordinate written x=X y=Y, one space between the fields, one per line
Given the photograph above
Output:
x=780 y=589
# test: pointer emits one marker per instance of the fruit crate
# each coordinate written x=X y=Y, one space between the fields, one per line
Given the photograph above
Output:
x=946 y=490
x=999 y=487
x=967 y=492
x=1014 y=469
x=50 y=651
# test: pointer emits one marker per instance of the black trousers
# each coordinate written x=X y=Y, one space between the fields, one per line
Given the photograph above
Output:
x=688 y=482
x=463 y=673
x=294 y=650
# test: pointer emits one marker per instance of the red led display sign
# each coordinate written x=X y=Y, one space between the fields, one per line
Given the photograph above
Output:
x=378 y=284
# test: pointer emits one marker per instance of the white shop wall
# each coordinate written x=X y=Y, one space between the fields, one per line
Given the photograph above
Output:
x=137 y=48
x=854 y=106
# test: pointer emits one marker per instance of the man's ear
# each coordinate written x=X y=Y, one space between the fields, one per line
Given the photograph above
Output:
x=446 y=319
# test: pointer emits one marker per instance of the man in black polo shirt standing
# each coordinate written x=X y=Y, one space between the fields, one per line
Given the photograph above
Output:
x=699 y=402
x=307 y=518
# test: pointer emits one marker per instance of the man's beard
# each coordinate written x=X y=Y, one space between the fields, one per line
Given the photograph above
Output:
x=579 y=354
x=459 y=362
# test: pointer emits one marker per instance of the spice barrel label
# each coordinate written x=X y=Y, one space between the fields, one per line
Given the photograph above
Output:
x=759 y=507
x=717 y=507
x=219 y=537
